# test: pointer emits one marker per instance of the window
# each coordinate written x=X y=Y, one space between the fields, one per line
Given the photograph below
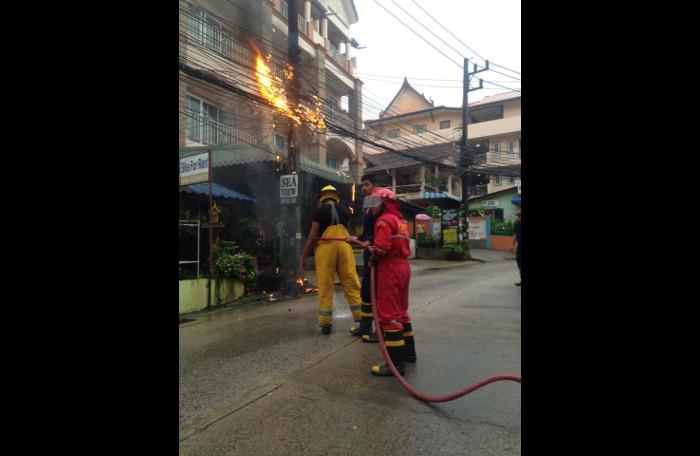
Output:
x=279 y=141
x=486 y=114
x=204 y=30
x=331 y=161
x=202 y=121
x=394 y=133
x=511 y=147
x=497 y=180
x=378 y=135
x=285 y=8
x=444 y=124
x=496 y=148
x=418 y=129
x=511 y=179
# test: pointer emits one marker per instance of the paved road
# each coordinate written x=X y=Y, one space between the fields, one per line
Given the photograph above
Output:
x=264 y=381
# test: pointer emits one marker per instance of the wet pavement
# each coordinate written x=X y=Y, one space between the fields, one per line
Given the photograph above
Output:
x=263 y=380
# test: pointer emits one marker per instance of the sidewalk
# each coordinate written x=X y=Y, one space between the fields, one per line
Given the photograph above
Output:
x=417 y=265
x=489 y=256
x=478 y=256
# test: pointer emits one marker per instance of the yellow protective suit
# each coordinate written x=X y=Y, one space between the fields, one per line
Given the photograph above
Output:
x=332 y=257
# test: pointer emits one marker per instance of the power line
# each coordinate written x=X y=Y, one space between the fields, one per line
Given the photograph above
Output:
x=505 y=68
x=444 y=28
x=433 y=33
x=465 y=44
x=409 y=77
x=503 y=87
x=265 y=103
x=417 y=34
x=339 y=130
x=403 y=140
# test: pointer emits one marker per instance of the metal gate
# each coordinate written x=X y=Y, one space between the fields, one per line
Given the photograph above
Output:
x=190 y=224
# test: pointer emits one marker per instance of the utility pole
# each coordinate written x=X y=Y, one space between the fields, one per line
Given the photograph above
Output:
x=293 y=97
x=465 y=155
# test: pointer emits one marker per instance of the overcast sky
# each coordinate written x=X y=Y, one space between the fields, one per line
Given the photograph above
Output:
x=490 y=27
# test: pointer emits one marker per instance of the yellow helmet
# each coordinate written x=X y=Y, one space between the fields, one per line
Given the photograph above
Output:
x=330 y=192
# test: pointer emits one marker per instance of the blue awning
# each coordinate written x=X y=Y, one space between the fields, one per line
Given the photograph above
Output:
x=219 y=191
x=516 y=200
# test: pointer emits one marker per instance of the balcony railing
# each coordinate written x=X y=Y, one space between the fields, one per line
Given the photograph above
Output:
x=212 y=35
x=338 y=117
x=414 y=188
x=478 y=190
x=210 y=132
x=301 y=22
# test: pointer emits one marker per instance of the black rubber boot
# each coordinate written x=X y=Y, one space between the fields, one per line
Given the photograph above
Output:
x=410 y=344
x=365 y=326
x=395 y=346
x=326 y=329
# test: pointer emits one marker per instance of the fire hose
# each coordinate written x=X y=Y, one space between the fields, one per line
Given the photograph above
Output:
x=407 y=386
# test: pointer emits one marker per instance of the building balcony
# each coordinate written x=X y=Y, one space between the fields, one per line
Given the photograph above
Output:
x=478 y=190
x=209 y=132
x=339 y=117
x=312 y=32
x=494 y=127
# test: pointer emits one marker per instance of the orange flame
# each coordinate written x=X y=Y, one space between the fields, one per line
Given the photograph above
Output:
x=271 y=87
x=277 y=270
x=300 y=282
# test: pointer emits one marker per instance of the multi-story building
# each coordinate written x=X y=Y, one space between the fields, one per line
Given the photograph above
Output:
x=238 y=91
x=412 y=124
x=220 y=42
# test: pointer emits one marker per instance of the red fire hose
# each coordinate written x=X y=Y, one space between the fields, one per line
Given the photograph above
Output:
x=402 y=381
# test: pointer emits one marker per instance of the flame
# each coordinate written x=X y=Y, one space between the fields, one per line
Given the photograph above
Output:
x=277 y=270
x=271 y=87
x=300 y=282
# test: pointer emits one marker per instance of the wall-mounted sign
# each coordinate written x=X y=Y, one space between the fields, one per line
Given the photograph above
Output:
x=194 y=169
x=490 y=203
x=477 y=228
x=449 y=217
x=449 y=236
x=289 y=187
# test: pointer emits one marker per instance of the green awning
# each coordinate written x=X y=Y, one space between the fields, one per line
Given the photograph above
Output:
x=323 y=171
x=240 y=154
x=237 y=154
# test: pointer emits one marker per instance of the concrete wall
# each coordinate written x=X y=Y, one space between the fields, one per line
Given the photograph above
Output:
x=503 y=243
x=494 y=127
x=193 y=293
x=432 y=123
x=512 y=109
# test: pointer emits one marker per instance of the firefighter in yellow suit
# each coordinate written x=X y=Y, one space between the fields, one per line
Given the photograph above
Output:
x=332 y=257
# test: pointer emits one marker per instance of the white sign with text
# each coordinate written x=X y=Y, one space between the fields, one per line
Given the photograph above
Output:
x=194 y=169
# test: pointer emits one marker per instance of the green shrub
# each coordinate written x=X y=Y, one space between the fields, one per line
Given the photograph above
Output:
x=423 y=240
x=501 y=228
x=457 y=251
x=232 y=263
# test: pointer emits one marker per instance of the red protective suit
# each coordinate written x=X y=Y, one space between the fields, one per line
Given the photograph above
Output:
x=392 y=249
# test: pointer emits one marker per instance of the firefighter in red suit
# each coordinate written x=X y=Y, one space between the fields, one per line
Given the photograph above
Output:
x=390 y=254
